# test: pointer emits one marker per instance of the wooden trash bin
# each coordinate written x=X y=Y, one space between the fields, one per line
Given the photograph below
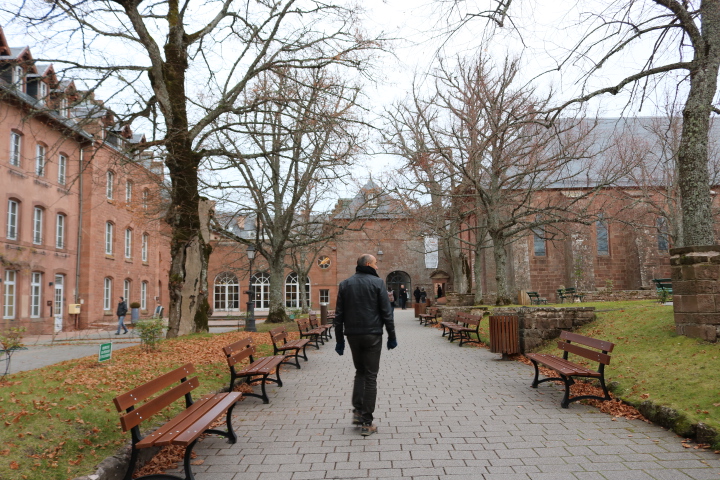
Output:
x=504 y=335
x=416 y=306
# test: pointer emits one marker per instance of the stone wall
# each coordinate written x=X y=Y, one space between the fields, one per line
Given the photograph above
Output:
x=540 y=324
x=619 y=295
x=448 y=313
x=696 y=291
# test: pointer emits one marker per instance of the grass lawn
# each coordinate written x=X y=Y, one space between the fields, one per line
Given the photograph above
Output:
x=59 y=422
x=651 y=362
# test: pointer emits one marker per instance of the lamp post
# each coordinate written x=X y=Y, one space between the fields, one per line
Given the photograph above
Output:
x=250 y=315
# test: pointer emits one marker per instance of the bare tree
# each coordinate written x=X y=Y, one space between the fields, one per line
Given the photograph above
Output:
x=284 y=157
x=165 y=50
x=685 y=40
x=507 y=159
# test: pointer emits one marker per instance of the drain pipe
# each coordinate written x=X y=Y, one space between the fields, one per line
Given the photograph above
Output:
x=80 y=227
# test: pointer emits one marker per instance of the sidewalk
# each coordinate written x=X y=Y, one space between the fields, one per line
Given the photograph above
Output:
x=442 y=412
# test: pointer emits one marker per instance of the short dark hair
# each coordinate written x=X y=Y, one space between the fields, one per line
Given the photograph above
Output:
x=364 y=260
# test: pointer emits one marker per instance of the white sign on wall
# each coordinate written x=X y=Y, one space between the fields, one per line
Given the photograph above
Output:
x=431 y=252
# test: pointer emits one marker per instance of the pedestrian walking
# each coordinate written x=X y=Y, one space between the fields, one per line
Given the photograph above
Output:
x=423 y=295
x=416 y=294
x=122 y=310
x=361 y=311
x=439 y=291
x=403 y=296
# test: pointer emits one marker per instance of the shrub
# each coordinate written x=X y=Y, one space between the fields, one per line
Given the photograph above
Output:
x=10 y=340
x=150 y=332
x=135 y=305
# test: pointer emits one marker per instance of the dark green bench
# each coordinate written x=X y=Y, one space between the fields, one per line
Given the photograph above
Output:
x=570 y=293
x=536 y=299
x=663 y=284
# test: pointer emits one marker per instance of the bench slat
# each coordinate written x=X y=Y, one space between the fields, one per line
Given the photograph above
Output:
x=192 y=428
x=174 y=424
x=584 y=352
x=262 y=366
x=561 y=365
x=143 y=392
x=587 y=341
x=147 y=410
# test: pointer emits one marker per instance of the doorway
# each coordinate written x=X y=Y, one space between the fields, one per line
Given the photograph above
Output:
x=394 y=280
x=59 y=302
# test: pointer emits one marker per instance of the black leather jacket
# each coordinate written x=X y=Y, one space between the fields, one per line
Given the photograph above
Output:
x=363 y=307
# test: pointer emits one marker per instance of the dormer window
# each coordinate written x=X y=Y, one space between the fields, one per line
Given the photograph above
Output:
x=63 y=107
x=42 y=92
x=18 y=74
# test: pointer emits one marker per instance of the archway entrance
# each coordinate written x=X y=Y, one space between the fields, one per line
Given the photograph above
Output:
x=394 y=280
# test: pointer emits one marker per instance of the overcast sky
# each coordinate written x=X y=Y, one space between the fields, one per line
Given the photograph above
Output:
x=544 y=33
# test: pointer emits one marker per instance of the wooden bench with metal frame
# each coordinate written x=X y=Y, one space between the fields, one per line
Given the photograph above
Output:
x=312 y=334
x=570 y=343
x=244 y=349
x=185 y=428
x=466 y=324
x=536 y=299
x=281 y=345
x=325 y=329
x=430 y=317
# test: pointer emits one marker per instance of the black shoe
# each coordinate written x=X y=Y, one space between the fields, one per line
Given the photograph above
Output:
x=125 y=332
x=117 y=333
x=368 y=429
x=357 y=418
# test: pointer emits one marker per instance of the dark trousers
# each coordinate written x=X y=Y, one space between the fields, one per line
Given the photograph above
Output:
x=403 y=302
x=366 y=351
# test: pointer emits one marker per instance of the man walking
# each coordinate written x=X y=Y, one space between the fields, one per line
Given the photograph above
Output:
x=121 y=312
x=361 y=310
x=403 y=297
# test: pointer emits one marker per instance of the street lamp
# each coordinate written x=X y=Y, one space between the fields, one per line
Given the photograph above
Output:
x=250 y=313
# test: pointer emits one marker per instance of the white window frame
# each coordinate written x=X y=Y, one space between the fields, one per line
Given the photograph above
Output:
x=35 y=294
x=15 y=147
x=110 y=186
x=144 y=249
x=12 y=220
x=38 y=215
x=40 y=152
x=128 y=243
x=127 y=288
x=9 y=294
x=128 y=191
x=143 y=295
x=145 y=196
x=62 y=169
x=107 y=293
x=18 y=74
x=109 y=230
x=60 y=230
x=43 y=91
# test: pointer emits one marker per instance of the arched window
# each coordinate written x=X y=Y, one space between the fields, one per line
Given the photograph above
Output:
x=128 y=191
x=38 y=214
x=227 y=292
x=127 y=288
x=60 y=231
x=603 y=239
x=144 y=249
x=292 y=290
x=107 y=293
x=261 y=289
x=109 y=229
x=143 y=296
x=128 y=243
x=40 y=160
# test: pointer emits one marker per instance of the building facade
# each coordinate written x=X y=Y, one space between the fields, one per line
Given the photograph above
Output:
x=80 y=205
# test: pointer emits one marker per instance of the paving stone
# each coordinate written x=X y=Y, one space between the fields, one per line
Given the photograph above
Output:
x=457 y=413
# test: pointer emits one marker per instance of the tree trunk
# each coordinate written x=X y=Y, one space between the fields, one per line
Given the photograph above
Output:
x=693 y=151
x=458 y=263
x=477 y=268
x=277 y=313
x=503 y=298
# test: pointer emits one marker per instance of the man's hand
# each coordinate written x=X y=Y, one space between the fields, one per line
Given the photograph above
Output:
x=391 y=343
x=340 y=347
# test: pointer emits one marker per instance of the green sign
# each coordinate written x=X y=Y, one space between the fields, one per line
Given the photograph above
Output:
x=105 y=352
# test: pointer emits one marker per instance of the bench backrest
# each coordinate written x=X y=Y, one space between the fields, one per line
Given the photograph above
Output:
x=569 y=291
x=278 y=335
x=570 y=343
x=135 y=416
x=314 y=322
x=239 y=351
x=432 y=311
x=303 y=324
x=533 y=294
x=468 y=319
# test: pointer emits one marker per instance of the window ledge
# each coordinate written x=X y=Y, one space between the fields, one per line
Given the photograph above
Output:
x=109 y=257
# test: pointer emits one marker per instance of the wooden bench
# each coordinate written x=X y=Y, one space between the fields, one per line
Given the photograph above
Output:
x=281 y=345
x=185 y=428
x=536 y=299
x=244 y=349
x=663 y=286
x=564 y=293
x=314 y=335
x=466 y=324
x=325 y=329
x=430 y=317
x=570 y=343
